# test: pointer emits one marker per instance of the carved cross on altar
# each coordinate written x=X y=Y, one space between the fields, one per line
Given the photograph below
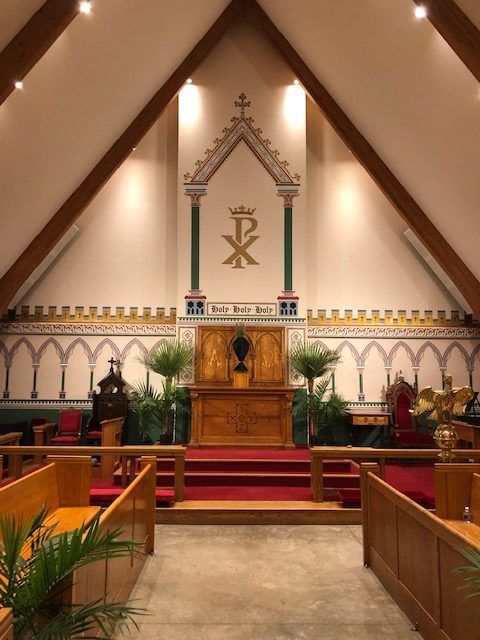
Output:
x=242 y=103
x=241 y=418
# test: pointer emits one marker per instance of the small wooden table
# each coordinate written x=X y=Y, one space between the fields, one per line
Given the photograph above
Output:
x=371 y=419
x=252 y=417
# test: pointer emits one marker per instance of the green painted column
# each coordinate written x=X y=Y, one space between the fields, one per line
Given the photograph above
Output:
x=470 y=378
x=288 y=249
x=333 y=381
x=195 y=191
x=195 y=249
x=6 y=391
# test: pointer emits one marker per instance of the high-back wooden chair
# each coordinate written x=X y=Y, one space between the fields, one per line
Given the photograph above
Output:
x=401 y=399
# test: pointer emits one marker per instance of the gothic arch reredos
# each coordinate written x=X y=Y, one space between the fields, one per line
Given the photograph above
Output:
x=56 y=345
x=450 y=349
x=17 y=345
x=400 y=345
x=242 y=130
x=373 y=345
x=86 y=349
x=423 y=349
x=99 y=349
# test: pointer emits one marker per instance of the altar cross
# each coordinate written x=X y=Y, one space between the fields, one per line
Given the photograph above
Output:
x=241 y=418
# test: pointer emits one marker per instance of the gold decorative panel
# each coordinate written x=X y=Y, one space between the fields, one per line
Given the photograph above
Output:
x=216 y=360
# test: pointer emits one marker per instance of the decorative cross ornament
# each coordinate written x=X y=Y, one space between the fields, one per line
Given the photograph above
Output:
x=242 y=102
x=241 y=419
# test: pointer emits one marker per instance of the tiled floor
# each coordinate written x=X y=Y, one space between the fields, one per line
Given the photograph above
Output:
x=264 y=583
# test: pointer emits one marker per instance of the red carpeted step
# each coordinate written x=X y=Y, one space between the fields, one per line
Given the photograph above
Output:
x=103 y=493
x=249 y=454
x=215 y=465
x=247 y=493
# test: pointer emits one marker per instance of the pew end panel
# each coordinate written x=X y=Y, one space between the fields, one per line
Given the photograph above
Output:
x=416 y=555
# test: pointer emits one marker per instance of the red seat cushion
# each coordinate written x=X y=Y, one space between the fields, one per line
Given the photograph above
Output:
x=94 y=435
x=65 y=440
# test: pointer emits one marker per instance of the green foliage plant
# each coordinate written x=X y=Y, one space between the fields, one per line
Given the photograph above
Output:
x=471 y=572
x=313 y=361
x=34 y=563
x=169 y=360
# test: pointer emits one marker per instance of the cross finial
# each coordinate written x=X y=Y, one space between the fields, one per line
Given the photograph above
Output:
x=112 y=361
x=242 y=102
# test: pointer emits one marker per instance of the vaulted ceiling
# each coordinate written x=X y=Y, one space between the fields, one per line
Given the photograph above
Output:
x=406 y=101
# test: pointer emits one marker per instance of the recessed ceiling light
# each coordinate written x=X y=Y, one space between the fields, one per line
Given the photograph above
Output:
x=296 y=81
x=420 y=12
x=85 y=6
x=18 y=84
x=189 y=81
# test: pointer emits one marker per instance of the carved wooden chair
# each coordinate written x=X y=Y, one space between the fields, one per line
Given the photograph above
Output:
x=401 y=398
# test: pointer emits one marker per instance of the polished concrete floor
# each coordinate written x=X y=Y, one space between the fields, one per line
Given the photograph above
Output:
x=262 y=582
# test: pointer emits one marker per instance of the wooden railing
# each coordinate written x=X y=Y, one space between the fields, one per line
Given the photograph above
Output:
x=416 y=554
x=127 y=455
x=42 y=434
x=359 y=454
x=11 y=439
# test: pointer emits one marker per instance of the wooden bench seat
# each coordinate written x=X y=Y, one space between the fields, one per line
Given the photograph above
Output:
x=63 y=487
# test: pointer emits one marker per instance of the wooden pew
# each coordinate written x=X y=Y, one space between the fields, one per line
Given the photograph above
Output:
x=416 y=554
x=6 y=624
x=63 y=486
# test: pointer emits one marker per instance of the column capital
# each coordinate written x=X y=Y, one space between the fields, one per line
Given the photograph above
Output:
x=288 y=192
x=195 y=191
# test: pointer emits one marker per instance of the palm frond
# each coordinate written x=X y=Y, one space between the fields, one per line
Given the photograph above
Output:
x=32 y=584
x=471 y=572
x=169 y=359
x=108 y=617
x=312 y=360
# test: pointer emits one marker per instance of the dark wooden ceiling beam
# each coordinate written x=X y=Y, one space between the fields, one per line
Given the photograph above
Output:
x=396 y=193
x=63 y=219
x=32 y=41
x=457 y=29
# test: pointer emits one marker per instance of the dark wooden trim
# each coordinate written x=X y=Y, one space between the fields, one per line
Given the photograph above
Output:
x=396 y=193
x=32 y=41
x=457 y=29
x=44 y=242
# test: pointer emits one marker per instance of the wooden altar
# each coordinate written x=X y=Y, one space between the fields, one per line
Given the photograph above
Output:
x=258 y=415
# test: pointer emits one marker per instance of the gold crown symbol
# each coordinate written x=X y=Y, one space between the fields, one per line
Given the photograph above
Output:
x=242 y=210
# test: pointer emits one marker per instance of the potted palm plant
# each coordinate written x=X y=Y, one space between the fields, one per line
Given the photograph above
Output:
x=313 y=361
x=159 y=408
x=32 y=584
